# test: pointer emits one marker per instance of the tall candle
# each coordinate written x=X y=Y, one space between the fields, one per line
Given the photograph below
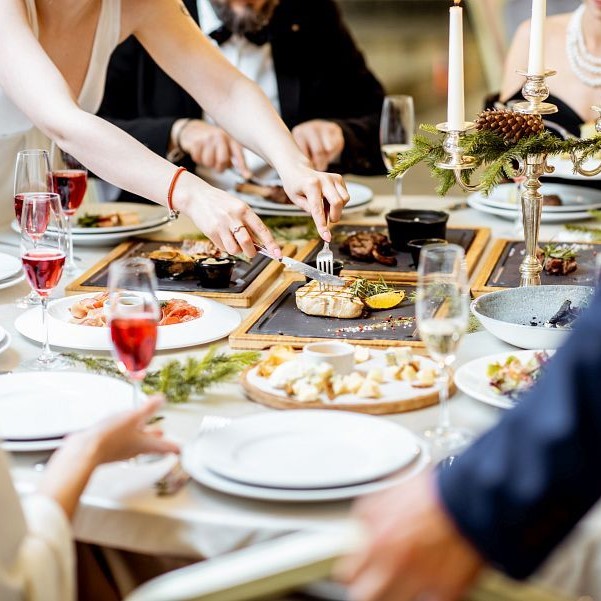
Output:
x=536 y=56
x=455 y=97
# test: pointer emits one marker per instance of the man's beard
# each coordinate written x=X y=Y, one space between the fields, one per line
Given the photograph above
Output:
x=249 y=20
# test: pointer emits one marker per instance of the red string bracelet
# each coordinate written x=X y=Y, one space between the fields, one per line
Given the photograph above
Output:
x=173 y=214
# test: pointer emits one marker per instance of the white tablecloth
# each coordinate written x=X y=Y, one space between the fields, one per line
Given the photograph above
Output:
x=120 y=508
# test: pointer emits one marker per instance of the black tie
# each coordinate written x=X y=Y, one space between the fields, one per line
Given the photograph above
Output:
x=223 y=34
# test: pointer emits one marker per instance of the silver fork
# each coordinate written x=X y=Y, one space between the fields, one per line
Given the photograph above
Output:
x=325 y=257
x=176 y=478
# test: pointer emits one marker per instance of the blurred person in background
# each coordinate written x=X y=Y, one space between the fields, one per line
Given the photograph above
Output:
x=517 y=11
x=53 y=60
x=302 y=56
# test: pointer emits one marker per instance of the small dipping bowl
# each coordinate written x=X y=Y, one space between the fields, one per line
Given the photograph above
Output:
x=415 y=247
x=407 y=224
x=338 y=267
x=215 y=273
x=127 y=305
x=167 y=269
x=340 y=355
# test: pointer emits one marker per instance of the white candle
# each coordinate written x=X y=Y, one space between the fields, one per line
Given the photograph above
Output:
x=455 y=99
x=536 y=56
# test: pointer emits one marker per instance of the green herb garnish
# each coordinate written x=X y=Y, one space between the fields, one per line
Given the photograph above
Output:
x=363 y=288
x=559 y=251
x=87 y=220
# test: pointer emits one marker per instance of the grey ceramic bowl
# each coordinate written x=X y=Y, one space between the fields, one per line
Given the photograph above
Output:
x=512 y=314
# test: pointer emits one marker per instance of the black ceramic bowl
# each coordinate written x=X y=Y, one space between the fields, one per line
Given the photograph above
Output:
x=415 y=247
x=408 y=224
x=167 y=269
x=215 y=273
x=338 y=267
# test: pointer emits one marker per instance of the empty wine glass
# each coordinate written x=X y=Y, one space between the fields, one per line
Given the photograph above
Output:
x=32 y=171
x=442 y=309
x=397 y=127
x=69 y=180
x=43 y=255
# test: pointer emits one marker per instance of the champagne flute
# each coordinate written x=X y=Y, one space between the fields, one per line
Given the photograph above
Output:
x=43 y=253
x=442 y=309
x=69 y=180
x=397 y=127
x=134 y=313
x=32 y=171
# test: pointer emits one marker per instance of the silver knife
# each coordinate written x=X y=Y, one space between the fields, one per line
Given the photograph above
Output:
x=306 y=270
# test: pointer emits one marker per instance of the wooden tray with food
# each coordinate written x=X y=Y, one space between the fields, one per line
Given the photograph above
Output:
x=193 y=267
x=296 y=313
x=380 y=382
x=563 y=263
x=365 y=251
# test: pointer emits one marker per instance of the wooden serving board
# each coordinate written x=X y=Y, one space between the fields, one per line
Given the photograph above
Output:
x=501 y=269
x=472 y=239
x=249 y=280
x=277 y=320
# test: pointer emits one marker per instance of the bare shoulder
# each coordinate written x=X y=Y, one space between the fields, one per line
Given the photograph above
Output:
x=558 y=24
x=134 y=13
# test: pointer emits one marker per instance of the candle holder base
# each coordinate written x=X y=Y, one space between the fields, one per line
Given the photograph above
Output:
x=535 y=91
x=456 y=159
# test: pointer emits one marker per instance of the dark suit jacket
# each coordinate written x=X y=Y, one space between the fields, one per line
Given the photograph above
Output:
x=320 y=73
x=523 y=486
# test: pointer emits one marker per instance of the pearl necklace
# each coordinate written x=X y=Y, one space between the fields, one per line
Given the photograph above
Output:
x=586 y=66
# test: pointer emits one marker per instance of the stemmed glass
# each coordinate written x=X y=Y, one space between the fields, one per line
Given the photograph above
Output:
x=134 y=313
x=69 y=180
x=43 y=255
x=397 y=127
x=31 y=175
x=442 y=309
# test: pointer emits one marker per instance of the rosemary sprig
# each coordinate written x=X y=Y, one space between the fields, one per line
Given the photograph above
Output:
x=179 y=381
x=559 y=251
x=363 y=288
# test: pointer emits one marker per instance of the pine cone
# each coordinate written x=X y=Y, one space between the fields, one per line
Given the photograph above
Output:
x=511 y=126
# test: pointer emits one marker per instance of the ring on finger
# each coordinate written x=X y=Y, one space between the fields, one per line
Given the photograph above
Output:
x=237 y=229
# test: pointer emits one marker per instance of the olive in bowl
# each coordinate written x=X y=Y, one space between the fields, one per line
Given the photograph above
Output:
x=415 y=247
x=215 y=273
x=338 y=267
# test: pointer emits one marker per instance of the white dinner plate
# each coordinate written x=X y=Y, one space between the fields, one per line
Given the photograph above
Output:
x=10 y=266
x=574 y=198
x=150 y=216
x=43 y=405
x=360 y=196
x=216 y=322
x=308 y=449
x=471 y=378
x=31 y=446
x=564 y=168
x=193 y=463
x=474 y=201
x=12 y=281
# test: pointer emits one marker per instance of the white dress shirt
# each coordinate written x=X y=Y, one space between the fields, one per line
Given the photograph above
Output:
x=256 y=62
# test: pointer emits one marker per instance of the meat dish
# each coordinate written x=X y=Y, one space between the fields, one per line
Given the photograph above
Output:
x=338 y=302
x=275 y=194
x=370 y=246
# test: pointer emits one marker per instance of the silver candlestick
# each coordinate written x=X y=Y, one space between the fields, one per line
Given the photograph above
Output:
x=574 y=156
x=456 y=157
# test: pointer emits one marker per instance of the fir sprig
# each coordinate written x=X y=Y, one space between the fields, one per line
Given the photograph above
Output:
x=179 y=381
x=491 y=152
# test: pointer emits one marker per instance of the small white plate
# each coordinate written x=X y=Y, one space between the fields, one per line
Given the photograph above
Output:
x=574 y=198
x=475 y=202
x=31 y=446
x=216 y=322
x=12 y=281
x=43 y=405
x=10 y=266
x=471 y=378
x=360 y=196
x=193 y=463
x=308 y=449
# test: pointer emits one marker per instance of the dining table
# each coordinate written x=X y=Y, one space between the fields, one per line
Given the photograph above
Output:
x=120 y=507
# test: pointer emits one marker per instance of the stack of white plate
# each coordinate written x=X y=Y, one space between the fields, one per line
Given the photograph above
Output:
x=152 y=218
x=38 y=409
x=4 y=340
x=577 y=201
x=11 y=271
x=360 y=195
x=304 y=456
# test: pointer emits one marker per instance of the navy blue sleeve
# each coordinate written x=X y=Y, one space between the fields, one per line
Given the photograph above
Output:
x=518 y=491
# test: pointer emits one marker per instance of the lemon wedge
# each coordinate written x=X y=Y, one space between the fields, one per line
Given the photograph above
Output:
x=385 y=300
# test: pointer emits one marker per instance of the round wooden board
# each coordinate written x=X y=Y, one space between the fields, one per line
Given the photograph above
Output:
x=373 y=407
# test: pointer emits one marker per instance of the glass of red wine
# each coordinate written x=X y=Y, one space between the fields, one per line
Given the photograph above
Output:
x=32 y=172
x=134 y=313
x=69 y=179
x=43 y=253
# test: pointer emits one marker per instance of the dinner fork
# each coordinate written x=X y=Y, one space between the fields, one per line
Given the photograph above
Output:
x=325 y=258
x=176 y=478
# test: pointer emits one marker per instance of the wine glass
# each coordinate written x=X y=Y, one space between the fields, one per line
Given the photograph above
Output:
x=134 y=313
x=442 y=309
x=32 y=171
x=43 y=252
x=69 y=180
x=397 y=127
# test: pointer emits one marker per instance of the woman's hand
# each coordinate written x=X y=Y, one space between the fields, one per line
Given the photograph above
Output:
x=308 y=189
